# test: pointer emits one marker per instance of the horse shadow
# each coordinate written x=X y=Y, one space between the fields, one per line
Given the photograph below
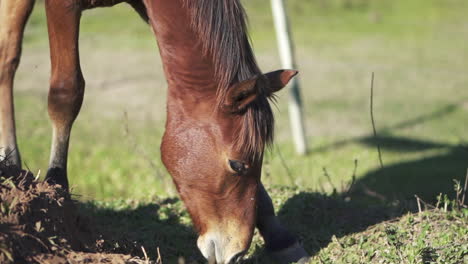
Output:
x=153 y=229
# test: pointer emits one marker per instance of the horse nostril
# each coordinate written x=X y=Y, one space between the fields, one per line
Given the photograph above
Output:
x=236 y=258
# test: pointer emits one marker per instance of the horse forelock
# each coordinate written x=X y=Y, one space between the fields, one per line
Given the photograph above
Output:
x=221 y=27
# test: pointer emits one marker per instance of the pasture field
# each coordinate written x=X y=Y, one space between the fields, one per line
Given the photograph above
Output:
x=417 y=50
x=338 y=197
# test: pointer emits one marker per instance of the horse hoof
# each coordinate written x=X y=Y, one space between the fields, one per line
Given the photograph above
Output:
x=292 y=254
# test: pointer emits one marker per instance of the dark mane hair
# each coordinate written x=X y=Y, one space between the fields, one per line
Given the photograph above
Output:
x=221 y=25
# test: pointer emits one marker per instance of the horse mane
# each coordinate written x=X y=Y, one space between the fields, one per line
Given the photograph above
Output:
x=221 y=25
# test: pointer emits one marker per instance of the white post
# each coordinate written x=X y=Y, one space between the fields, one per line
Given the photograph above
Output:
x=287 y=61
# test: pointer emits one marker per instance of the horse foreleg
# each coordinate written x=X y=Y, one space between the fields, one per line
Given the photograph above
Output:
x=283 y=245
x=13 y=17
x=66 y=82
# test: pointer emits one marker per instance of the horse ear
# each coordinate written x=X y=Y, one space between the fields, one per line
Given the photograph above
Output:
x=240 y=95
x=279 y=79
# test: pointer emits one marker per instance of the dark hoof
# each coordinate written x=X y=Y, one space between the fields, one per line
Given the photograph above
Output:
x=57 y=176
x=7 y=170
x=292 y=254
x=9 y=157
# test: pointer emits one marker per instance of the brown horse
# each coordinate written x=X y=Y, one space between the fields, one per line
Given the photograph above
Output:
x=219 y=120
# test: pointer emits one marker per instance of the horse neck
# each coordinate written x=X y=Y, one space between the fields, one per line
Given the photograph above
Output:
x=190 y=73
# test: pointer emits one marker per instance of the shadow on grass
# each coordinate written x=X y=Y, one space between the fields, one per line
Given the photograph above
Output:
x=448 y=109
x=379 y=195
x=316 y=218
x=153 y=226
x=313 y=216
x=401 y=144
x=426 y=177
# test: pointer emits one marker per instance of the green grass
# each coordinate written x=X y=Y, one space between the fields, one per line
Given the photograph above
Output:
x=429 y=237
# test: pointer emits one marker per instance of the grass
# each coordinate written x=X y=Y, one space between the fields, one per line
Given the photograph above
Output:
x=429 y=237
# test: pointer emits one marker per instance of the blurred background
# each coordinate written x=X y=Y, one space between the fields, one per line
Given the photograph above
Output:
x=417 y=49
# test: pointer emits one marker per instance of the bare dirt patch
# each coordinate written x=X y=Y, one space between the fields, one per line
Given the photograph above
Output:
x=39 y=223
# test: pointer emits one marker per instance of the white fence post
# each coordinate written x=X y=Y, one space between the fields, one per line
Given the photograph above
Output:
x=287 y=60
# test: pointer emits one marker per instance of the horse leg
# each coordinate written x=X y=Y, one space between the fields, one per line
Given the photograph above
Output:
x=13 y=17
x=66 y=82
x=283 y=245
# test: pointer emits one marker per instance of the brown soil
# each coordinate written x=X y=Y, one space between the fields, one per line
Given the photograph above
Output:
x=39 y=223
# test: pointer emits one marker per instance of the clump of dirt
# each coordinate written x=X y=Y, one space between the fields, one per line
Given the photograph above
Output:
x=39 y=223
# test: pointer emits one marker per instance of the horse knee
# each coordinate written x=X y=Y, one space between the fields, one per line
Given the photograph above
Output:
x=65 y=98
x=9 y=63
x=9 y=58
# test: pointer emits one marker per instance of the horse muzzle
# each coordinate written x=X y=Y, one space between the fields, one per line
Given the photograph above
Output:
x=222 y=249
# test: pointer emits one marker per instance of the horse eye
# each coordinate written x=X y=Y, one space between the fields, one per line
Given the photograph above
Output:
x=238 y=166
